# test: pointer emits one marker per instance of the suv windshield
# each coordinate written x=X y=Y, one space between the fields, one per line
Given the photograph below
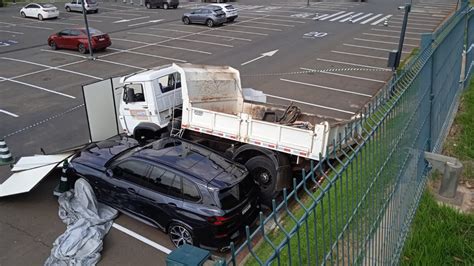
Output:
x=233 y=196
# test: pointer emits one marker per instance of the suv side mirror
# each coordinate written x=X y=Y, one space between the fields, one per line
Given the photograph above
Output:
x=109 y=173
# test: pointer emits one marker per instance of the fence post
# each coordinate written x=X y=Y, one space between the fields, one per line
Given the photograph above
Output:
x=426 y=40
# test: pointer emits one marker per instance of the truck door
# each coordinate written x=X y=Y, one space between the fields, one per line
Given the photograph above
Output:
x=167 y=91
x=134 y=107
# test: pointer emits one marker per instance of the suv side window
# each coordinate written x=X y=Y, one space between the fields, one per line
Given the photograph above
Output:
x=131 y=170
x=190 y=191
x=164 y=181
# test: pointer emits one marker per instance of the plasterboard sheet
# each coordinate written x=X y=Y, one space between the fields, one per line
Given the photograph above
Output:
x=24 y=181
x=30 y=162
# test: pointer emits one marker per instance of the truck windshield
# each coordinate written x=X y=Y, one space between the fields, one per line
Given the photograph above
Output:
x=133 y=93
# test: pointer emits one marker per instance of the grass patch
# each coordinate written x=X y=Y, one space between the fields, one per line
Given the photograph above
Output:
x=460 y=141
x=439 y=236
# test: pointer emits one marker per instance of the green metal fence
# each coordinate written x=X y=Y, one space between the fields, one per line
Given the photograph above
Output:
x=356 y=207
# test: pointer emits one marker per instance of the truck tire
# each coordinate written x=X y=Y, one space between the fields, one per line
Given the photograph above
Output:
x=262 y=169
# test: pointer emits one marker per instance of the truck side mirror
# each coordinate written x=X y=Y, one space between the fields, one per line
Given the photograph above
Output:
x=128 y=95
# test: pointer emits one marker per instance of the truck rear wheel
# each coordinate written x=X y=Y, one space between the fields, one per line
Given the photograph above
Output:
x=263 y=171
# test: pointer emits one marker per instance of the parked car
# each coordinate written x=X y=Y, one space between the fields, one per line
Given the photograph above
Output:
x=182 y=188
x=165 y=4
x=76 y=5
x=39 y=11
x=209 y=15
x=230 y=11
x=76 y=39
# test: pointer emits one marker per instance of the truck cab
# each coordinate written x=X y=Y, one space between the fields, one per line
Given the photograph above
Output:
x=148 y=101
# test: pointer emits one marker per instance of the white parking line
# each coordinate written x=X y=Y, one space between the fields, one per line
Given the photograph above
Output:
x=66 y=53
x=10 y=24
x=35 y=27
x=375 y=41
x=412 y=23
x=145 y=54
x=408 y=32
x=333 y=15
x=390 y=36
x=380 y=20
x=370 y=19
x=351 y=64
x=160 y=45
x=51 y=67
x=88 y=19
x=205 y=34
x=311 y=104
x=361 y=18
x=269 y=23
x=360 y=55
x=324 y=87
x=369 y=47
x=129 y=19
x=120 y=64
x=344 y=75
x=351 y=17
x=38 y=87
x=417 y=19
x=13 y=32
x=220 y=29
x=254 y=27
x=8 y=113
x=141 y=238
x=342 y=16
x=170 y=38
x=275 y=19
x=146 y=22
x=413 y=28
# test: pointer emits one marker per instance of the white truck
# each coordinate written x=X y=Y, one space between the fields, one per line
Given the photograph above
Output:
x=207 y=105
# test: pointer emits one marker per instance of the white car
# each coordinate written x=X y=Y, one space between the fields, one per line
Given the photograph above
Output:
x=230 y=11
x=39 y=11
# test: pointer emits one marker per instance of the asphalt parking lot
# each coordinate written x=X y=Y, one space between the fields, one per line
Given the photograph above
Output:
x=41 y=102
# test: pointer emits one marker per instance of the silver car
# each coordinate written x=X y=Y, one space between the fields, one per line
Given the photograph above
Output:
x=209 y=15
x=76 y=5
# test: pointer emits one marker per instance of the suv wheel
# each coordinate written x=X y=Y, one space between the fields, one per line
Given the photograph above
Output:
x=263 y=171
x=180 y=235
x=40 y=17
x=23 y=15
x=165 y=6
x=186 y=20
x=68 y=9
x=147 y=5
x=210 y=23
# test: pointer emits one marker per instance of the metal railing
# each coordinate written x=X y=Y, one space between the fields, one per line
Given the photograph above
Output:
x=356 y=207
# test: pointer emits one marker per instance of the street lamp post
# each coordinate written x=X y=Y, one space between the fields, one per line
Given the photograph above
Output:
x=402 y=35
x=84 y=12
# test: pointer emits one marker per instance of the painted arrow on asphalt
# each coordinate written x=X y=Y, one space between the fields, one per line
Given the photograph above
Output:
x=271 y=53
x=146 y=22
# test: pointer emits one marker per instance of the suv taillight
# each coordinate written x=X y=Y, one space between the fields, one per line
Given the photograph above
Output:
x=218 y=220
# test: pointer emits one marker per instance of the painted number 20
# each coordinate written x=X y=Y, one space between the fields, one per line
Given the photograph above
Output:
x=315 y=34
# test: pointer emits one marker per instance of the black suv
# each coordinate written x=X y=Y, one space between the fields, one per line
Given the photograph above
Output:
x=188 y=191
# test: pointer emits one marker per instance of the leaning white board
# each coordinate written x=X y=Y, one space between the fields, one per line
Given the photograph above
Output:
x=30 y=162
x=30 y=171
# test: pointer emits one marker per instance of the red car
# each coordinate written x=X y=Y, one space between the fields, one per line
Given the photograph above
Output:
x=76 y=39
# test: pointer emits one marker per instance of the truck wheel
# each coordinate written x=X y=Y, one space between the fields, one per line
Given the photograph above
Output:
x=263 y=171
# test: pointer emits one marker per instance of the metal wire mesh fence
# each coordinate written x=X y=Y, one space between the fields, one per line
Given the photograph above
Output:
x=355 y=206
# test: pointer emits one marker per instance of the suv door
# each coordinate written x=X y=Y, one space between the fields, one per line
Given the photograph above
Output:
x=163 y=196
x=125 y=184
x=76 y=5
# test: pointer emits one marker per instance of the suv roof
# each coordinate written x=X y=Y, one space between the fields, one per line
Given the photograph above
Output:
x=195 y=160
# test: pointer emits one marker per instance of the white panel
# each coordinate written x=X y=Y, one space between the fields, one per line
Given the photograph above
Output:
x=100 y=107
x=201 y=118
x=320 y=140
x=263 y=131
x=118 y=94
x=24 y=181
x=36 y=161
x=227 y=124
x=295 y=138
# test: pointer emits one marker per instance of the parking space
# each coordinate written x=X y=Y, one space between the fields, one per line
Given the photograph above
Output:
x=330 y=58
